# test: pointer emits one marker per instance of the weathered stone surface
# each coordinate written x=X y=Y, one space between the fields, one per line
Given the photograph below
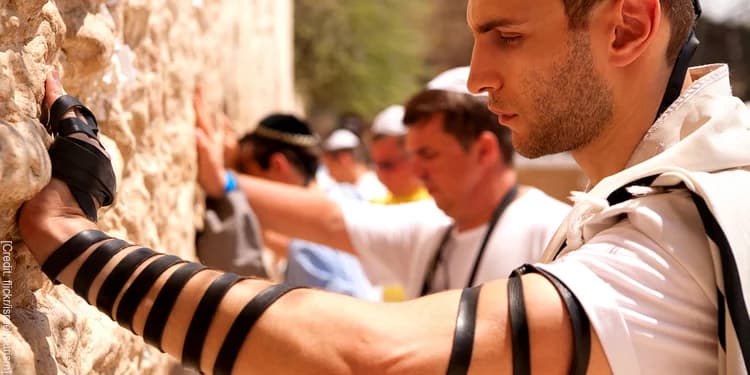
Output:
x=135 y=64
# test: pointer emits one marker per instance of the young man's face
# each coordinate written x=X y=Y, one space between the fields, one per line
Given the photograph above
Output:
x=393 y=164
x=449 y=172
x=541 y=77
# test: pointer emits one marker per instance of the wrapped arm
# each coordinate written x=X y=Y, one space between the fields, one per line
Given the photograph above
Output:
x=309 y=331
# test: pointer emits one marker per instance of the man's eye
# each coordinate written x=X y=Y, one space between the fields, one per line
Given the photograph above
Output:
x=510 y=39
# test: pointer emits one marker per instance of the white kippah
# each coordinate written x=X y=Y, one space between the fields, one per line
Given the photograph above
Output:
x=341 y=139
x=390 y=121
x=454 y=80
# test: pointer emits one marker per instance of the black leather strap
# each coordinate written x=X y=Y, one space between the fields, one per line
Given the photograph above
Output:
x=519 y=326
x=94 y=264
x=140 y=287
x=244 y=323
x=84 y=167
x=579 y=323
x=61 y=106
x=204 y=313
x=73 y=125
x=69 y=251
x=164 y=302
x=463 y=337
x=116 y=279
x=438 y=255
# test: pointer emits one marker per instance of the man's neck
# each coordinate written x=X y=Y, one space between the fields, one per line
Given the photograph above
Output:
x=610 y=152
x=479 y=208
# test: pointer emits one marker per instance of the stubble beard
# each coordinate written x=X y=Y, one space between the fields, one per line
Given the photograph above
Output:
x=573 y=105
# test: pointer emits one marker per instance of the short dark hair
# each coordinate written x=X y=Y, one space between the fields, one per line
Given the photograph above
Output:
x=263 y=146
x=680 y=13
x=465 y=117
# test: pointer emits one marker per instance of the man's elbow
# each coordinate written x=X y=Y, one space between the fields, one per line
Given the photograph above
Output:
x=335 y=229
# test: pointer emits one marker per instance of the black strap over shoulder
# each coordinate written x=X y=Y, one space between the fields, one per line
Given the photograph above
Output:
x=244 y=323
x=204 y=313
x=463 y=338
x=69 y=251
x=681 y=65
x=579 y=323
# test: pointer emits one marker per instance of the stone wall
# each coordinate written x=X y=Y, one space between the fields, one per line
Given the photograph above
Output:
x=135 y=63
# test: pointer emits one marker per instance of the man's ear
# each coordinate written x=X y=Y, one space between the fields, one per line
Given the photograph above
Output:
x=635 y=26
x=279 y=163
x=487 y=148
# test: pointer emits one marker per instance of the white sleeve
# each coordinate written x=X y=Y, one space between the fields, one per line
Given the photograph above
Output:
x=645 y=286
x=387 y=239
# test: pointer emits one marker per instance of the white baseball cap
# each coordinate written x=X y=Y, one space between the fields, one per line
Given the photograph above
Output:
x=390 y=121
x=341 y=139
x=455 y=80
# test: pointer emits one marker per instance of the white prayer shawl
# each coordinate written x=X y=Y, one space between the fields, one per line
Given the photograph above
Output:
x=703 y=142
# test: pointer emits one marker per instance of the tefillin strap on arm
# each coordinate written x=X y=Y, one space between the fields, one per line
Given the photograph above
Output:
x=115 y=284
x=463 y=337
x=520 y=341
x=677 y=79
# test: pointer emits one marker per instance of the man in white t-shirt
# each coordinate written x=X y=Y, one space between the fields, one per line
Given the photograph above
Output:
x=480 y=226
x=657 y=270
x=486 y=224
x=343 y=165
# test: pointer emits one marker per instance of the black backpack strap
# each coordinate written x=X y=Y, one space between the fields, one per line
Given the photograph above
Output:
x=579 y=323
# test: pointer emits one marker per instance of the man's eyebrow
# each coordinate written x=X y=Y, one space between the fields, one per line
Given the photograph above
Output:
x=497 y=22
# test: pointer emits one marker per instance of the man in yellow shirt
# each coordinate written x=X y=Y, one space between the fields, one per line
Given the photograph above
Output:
x=393 y=163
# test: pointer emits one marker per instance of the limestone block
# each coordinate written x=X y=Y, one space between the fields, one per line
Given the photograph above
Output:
x=135 y=63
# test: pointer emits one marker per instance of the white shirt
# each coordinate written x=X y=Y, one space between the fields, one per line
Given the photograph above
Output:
x=643 y=269
x=370 y=187
x=396 y=244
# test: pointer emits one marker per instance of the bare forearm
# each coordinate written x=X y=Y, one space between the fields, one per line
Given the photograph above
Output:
x=297 y=212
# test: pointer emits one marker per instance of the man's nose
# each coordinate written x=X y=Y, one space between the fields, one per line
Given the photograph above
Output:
x=483 y=75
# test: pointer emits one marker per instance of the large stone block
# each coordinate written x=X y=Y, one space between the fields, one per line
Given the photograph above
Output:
x=135 y=63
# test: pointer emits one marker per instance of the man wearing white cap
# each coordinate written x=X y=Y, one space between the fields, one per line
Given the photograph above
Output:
x=393 y=163
x=343 y=165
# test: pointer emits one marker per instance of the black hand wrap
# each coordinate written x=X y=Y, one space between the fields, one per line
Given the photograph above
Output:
x=82 y=166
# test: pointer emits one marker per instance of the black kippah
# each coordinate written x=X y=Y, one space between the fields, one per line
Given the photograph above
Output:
x=286 y=124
